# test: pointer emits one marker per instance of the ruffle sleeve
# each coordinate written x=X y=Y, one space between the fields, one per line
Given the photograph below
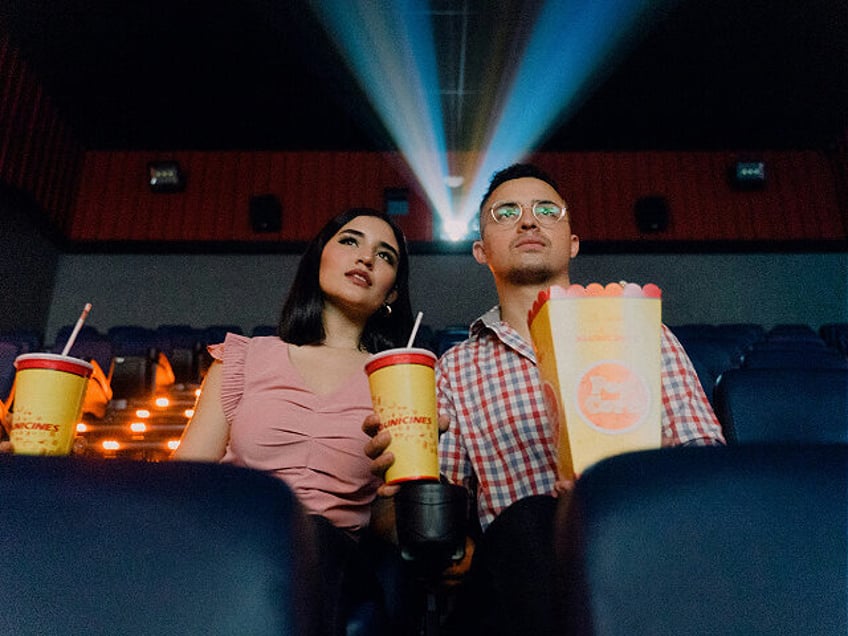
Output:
x=233 y=353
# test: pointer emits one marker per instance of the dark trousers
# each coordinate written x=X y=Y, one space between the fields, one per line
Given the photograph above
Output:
x=364 y=589
x=511 y=589
x=348 y=586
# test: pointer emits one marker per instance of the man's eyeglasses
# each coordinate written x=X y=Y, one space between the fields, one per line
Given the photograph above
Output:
x=547 y=213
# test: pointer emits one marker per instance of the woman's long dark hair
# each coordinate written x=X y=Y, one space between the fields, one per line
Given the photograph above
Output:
x=301 y=321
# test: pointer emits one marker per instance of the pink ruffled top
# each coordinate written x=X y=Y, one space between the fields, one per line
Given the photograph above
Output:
x=278 y=425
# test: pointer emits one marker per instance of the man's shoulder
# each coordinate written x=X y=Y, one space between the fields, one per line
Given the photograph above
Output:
x=459 y=349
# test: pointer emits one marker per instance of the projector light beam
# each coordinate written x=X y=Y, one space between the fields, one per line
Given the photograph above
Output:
x=547 y=70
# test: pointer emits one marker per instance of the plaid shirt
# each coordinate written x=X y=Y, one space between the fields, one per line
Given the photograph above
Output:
x=500 y=440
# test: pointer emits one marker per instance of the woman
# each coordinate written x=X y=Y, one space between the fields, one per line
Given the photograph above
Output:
x=293 y=405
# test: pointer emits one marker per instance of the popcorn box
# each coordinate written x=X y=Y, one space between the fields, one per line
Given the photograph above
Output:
x=598 y=354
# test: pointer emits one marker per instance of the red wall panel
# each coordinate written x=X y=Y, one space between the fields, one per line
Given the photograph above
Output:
x=115 y=202
x=38 y=153
x=799 y=201
x=103 y=196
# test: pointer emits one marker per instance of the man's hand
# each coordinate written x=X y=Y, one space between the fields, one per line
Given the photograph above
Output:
x=564 y=486
x=455 y=572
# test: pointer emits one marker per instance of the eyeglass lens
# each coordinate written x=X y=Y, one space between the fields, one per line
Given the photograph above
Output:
x=546 y=212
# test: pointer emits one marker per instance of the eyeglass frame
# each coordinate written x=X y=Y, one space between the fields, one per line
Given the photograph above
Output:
x=544 y=221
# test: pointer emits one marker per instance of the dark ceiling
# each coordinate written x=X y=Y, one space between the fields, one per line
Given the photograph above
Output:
x=263 y=74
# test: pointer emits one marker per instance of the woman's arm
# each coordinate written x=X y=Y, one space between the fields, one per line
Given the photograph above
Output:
x=205 y=436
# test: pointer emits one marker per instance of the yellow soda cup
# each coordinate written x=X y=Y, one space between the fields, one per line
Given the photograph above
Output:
x=403 y=390
x=49 y=392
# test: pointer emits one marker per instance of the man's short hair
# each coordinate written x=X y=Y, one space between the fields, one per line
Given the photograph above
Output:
x=516 y=171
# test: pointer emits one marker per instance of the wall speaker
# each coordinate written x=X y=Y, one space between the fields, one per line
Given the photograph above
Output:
x=165 y=176
x=748 y=175
x=652 y=214
x=266 y=213
x=396 y=201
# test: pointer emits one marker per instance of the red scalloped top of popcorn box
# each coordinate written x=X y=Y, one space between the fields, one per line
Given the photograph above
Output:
x=626 y=290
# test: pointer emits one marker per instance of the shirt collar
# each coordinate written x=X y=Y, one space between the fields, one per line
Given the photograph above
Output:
x=491 y=322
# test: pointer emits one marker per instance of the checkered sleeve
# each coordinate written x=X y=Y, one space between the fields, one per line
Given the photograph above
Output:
x=687 y=416
x=454 y=460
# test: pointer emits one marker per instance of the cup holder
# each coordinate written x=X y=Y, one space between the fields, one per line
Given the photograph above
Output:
x=431 y=520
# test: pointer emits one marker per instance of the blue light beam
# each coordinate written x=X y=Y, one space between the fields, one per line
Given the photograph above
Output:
x=569 y=44
x=389 y=47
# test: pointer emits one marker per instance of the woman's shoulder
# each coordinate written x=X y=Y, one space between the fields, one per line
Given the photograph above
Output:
x=236 y=346
x=264 y=347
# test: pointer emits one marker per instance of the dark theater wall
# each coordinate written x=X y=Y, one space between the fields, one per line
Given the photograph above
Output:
x=40 y=161
x=801 y=200
x=39 y=154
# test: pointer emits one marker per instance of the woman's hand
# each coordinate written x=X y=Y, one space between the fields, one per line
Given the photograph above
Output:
x=375 y=449
x=382 y=459
x=80 y=446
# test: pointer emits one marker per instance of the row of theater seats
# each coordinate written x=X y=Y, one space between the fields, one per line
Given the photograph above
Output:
x=742 y=367
x=785 y=384
x=132 y=358
x=726 y=540
x=137 y=359
x=145 y=380
x=747 y=539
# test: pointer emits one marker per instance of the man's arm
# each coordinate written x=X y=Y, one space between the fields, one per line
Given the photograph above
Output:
x=688 y=419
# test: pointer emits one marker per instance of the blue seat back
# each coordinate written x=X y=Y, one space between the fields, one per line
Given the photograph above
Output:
x=812 y=357
x=791 y=330
x=98 y=349
x=783 y=405
x=814 y=345
x=95 y=547
x=835 y=335
x=86 y=332
x=735 y=540
x=744 y=333
x=448 y=337
x=134 y=340
x=213 y=334
x=264 y=330
x=178 y=337
x=29 y=340
x=8 y=352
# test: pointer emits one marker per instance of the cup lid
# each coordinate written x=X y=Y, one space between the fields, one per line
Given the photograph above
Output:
x=53 y=361
x=401 y=355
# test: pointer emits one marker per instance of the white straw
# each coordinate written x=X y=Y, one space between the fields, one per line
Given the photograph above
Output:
x=77 y=328
x=415 y=329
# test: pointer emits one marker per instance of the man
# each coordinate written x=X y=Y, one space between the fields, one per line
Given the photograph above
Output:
x=499 y=441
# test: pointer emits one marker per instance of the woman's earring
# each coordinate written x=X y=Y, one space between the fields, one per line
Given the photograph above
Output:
x=388 y=309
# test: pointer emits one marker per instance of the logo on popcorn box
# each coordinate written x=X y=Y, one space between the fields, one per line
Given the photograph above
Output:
x=612 y=397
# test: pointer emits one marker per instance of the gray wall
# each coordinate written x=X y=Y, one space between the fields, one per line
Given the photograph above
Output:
x=248 y=290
